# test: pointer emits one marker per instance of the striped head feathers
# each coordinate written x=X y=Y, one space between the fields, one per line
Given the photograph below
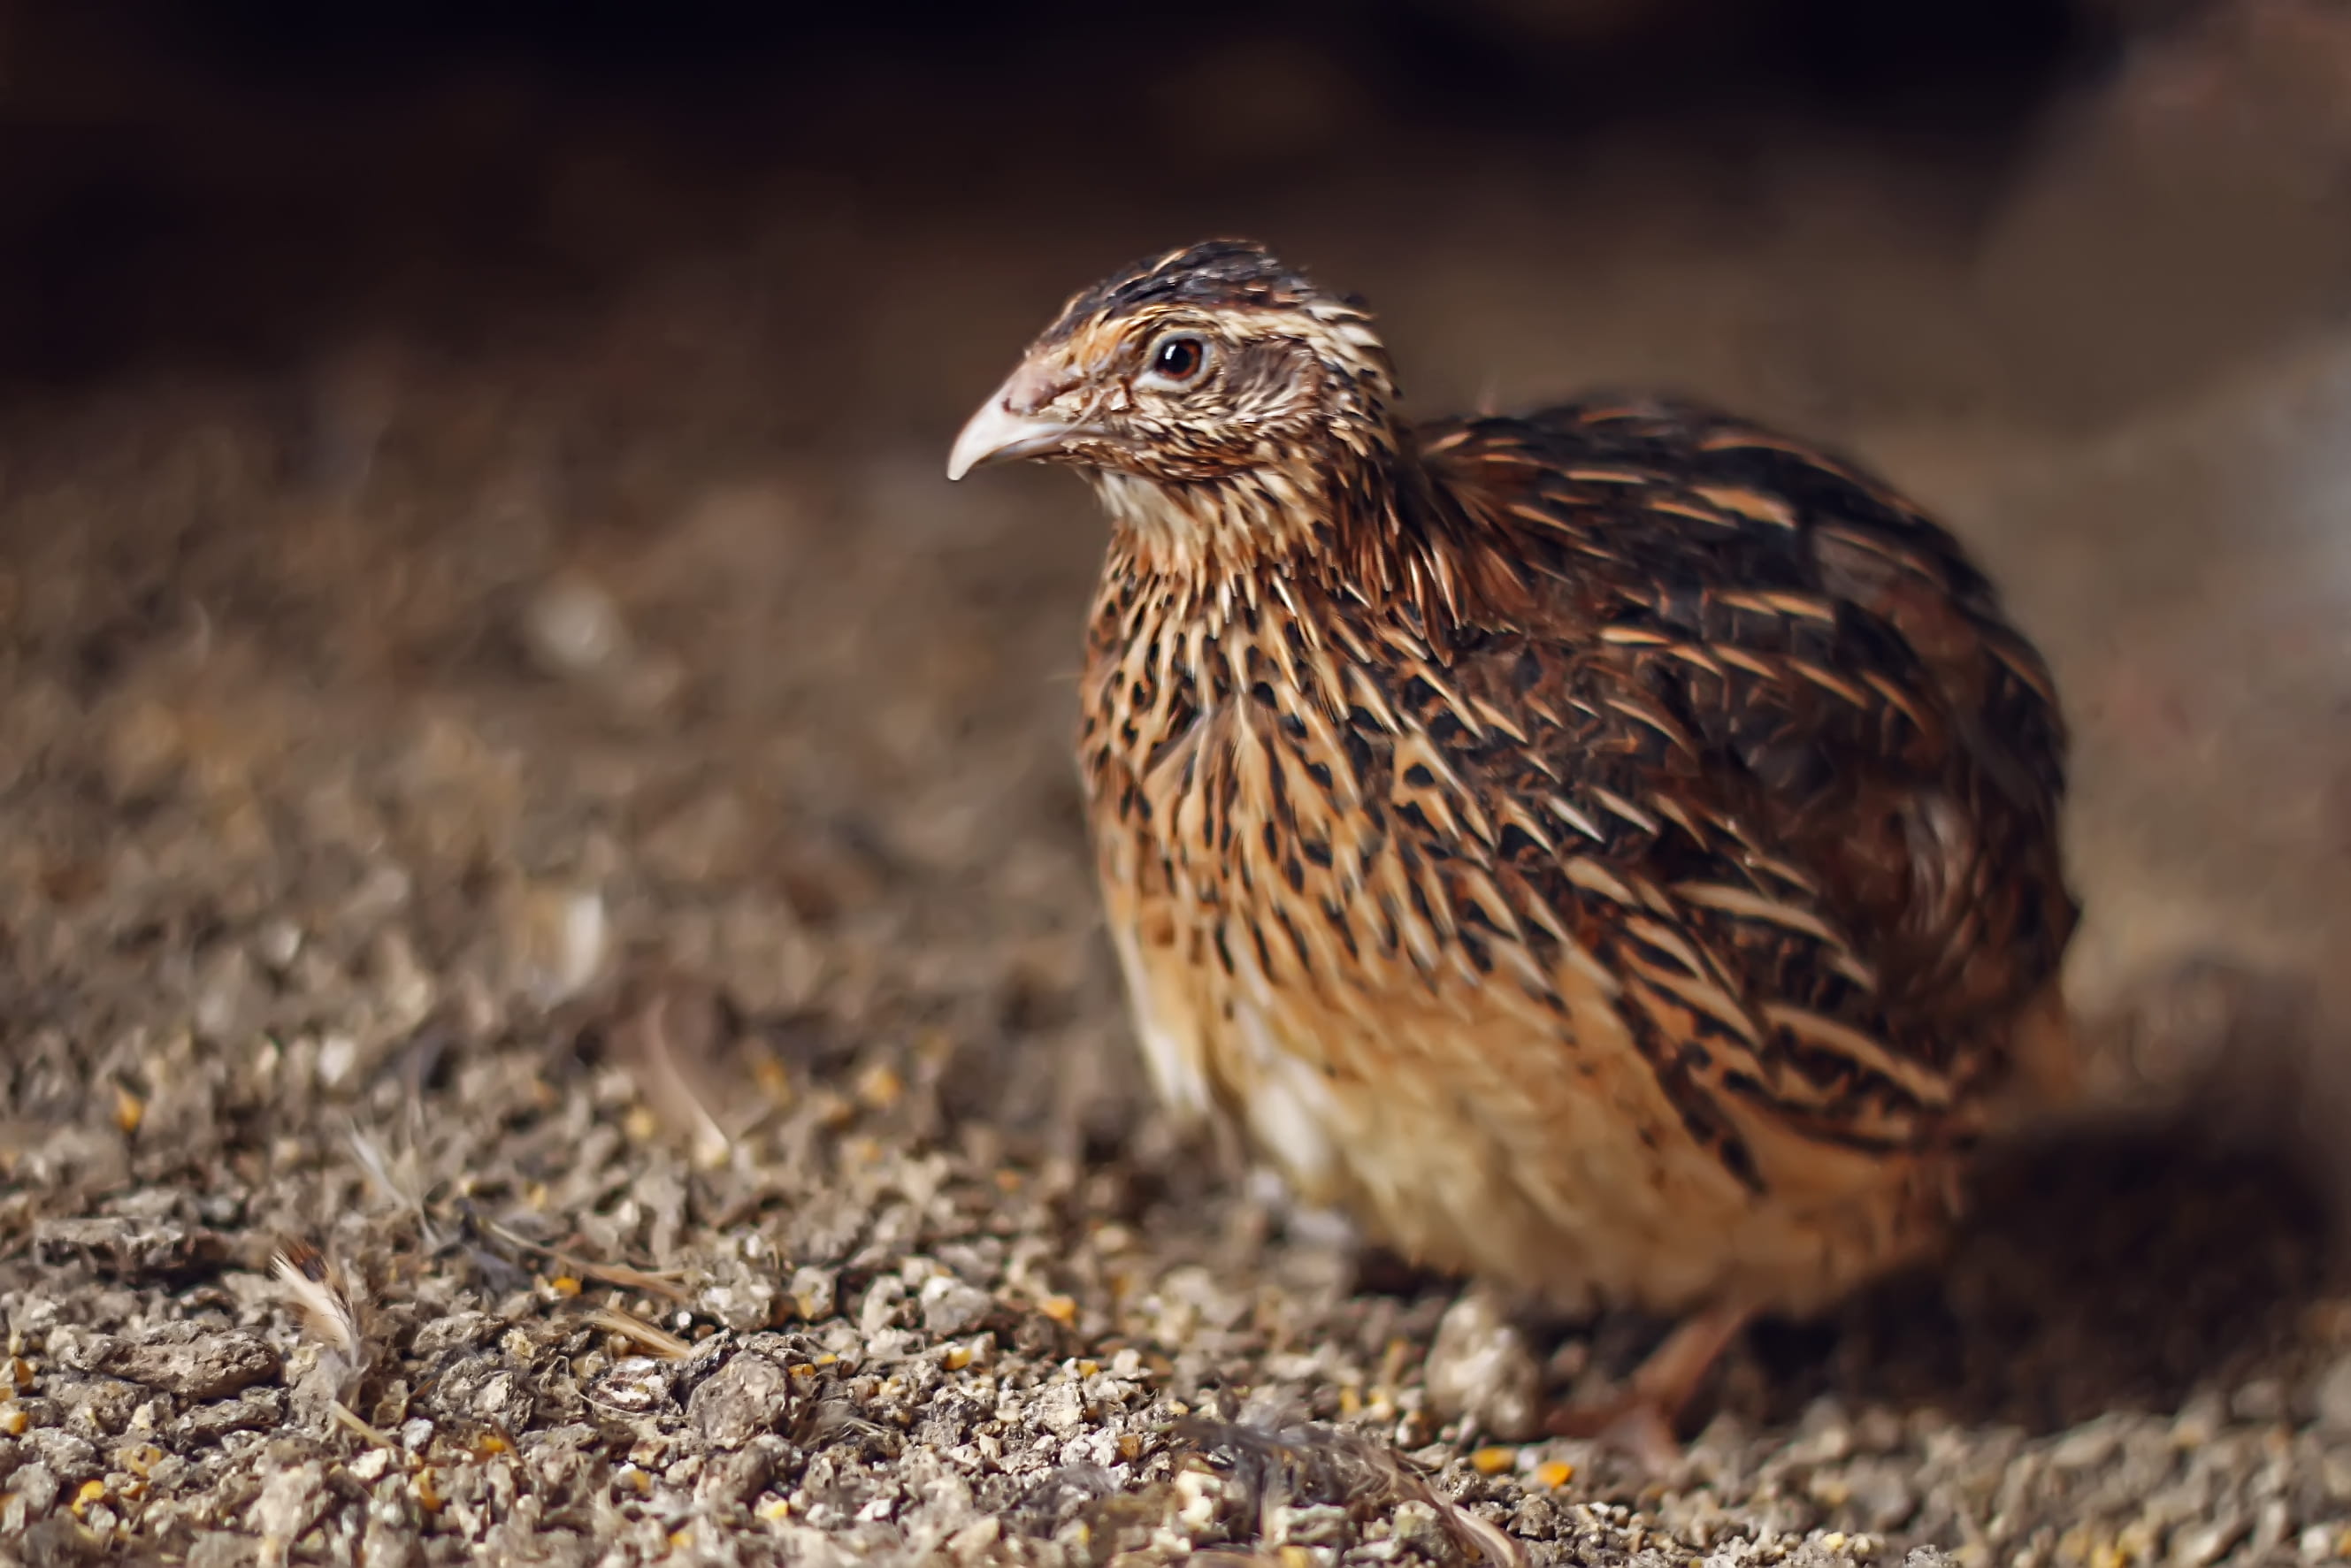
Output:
x=1213 y=395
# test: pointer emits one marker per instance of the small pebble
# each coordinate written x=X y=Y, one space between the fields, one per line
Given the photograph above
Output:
x=1480 y=1366
x=2332 y=1397
x=575 y=629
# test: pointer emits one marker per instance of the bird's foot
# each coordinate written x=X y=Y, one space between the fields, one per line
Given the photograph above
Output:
x=1633 y=1424
x=1639 y=1420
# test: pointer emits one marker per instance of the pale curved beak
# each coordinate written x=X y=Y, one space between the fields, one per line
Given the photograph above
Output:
x=997 y=435
x=1009 y=425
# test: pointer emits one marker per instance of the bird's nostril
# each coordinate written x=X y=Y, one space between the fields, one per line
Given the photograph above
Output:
x=1033 y=386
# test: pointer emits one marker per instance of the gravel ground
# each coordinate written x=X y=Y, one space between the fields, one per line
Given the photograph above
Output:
x=566 y=814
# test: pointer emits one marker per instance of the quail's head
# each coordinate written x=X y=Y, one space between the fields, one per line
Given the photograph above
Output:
x=1203 y=364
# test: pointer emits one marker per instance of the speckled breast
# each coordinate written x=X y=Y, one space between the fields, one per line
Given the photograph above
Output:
x=1321 y=942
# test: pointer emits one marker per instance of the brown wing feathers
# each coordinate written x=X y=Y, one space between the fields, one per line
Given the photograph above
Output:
x=1763 y=711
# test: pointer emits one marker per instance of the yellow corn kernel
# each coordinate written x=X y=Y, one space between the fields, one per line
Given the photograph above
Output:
x=880 y=1086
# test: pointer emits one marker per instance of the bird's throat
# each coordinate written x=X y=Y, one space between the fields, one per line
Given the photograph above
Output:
x=1192 y=532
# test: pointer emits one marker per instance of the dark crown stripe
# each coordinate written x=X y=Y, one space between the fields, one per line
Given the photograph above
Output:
x=1213 y=274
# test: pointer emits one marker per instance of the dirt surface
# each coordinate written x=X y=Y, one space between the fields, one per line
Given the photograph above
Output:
x=535 y=786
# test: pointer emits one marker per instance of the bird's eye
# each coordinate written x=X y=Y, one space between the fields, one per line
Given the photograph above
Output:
x=1177 y=360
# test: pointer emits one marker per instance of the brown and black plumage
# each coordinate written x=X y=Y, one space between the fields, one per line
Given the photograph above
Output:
x=1611 y=850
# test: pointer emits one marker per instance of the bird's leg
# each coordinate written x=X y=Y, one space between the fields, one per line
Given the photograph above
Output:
x=1640 y=1417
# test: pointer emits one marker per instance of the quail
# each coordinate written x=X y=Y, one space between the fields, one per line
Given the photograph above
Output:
x=1611 y=851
